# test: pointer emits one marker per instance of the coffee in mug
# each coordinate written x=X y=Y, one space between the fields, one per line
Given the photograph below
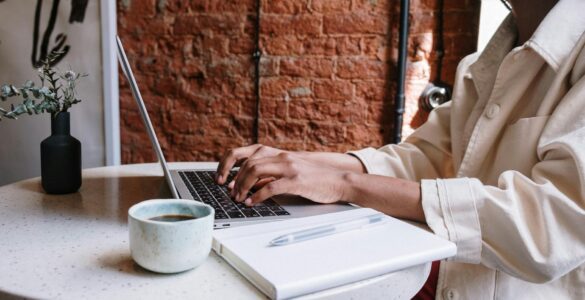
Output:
x=170 y=235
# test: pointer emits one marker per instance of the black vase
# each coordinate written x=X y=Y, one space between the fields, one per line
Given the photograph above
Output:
x=60 y=158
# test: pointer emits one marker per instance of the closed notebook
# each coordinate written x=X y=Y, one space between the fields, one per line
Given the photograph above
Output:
x=305 y=267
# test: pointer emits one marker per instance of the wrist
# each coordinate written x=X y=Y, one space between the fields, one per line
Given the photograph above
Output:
x=349 y=187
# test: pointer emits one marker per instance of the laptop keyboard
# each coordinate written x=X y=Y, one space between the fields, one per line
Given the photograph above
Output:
x=202 y=186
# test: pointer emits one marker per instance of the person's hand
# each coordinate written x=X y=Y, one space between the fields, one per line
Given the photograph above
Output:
x=288 y=173
x=236 y=157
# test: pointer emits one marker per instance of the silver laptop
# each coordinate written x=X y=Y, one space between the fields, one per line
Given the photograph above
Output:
x=200 y=185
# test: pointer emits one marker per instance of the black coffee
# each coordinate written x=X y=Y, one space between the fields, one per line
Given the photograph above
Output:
x=173 y=218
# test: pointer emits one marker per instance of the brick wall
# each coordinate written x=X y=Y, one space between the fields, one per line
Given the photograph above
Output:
x=327 y=71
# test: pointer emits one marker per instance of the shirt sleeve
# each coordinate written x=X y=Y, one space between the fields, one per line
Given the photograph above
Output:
x=529 y=226
x=424 y=154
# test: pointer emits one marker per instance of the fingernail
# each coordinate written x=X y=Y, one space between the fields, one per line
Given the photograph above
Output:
x=238 y=197
x=248 y=201
x=219 y=178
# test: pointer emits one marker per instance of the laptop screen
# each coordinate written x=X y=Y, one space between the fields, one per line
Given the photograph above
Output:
x=144 y=114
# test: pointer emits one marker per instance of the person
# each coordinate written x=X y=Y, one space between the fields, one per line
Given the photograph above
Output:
x=499 y=170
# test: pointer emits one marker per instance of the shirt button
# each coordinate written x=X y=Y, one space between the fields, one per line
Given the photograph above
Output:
x=492 y=111
x=450 y=294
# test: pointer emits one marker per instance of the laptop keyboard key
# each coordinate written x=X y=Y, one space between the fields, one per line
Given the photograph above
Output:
x=236 y=214
x=201 y=184
x=220 y=215
x=250 y=213
x=266 y=213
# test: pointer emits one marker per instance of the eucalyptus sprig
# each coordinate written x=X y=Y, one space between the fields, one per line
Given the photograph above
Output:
x=58 y=95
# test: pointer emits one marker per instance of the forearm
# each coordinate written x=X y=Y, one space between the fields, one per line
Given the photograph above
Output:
x=392 y=196
x=339 y=161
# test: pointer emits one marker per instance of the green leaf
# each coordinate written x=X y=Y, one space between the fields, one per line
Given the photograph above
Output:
x=5 y=91
x=36 y=93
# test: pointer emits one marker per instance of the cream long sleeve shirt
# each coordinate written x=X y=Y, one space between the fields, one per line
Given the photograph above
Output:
x=502 y=166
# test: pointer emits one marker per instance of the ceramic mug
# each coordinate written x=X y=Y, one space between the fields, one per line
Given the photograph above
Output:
x=170 y=247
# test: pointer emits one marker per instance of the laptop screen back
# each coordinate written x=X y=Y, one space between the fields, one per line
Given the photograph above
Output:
x=144 y=114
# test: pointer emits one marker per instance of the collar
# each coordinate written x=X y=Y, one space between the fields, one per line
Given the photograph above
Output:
x=553 y=40
x=558 y=33
x=484 y=70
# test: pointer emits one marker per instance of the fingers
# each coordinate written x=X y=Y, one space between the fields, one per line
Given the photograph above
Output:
x=231 y=158
x=273 y=188
x=264 y=151
x=261 y=183
x=258 y=170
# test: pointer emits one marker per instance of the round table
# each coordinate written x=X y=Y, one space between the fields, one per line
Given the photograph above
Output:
x=76 y=246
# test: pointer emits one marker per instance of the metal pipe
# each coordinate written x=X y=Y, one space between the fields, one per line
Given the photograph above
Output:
x=402 y=57
x=256 y=56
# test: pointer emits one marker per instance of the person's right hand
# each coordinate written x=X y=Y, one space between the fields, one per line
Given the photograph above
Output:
x=236 y=157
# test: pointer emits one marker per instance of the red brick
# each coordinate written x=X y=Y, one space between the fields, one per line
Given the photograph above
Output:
x=280 y=130
x=375 y=47
x=241 y=45
x=348 y=46
x=304 y=109
x=304 y=24
x=230 y=67
x=269 y=67
x=284 y=6
x=328 y=72
x=459 y=45
x=326 y=134
x=333 y=89
x=281 y=86
x=361 y=69
x=454 y=19
x=365 y=136
x=180 y=6
x=306 y=67
x=421 y=21
x=273 y=109
x=282 y=45
x=145 y=8
x=461 y=4
x=372 y=90
x=193 y=68
x=319 y=46
x=232 y=6
x=329 y=6
x=375 y=6
x=354 y=23
x=378 y=113
x=216 y=44
x=229 y=24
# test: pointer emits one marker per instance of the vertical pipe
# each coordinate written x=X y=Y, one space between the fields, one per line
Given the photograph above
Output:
x=256 y=56
x=402 y=56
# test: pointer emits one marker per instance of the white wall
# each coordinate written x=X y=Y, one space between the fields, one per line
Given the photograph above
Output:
x=493 y=12
x=20 y=139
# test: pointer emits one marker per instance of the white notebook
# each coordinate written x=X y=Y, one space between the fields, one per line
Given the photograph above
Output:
x=302 y=268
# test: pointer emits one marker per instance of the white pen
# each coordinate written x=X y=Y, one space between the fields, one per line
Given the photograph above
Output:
x=325 y=230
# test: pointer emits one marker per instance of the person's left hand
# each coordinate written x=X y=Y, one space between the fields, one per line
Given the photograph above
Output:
x=288 y=174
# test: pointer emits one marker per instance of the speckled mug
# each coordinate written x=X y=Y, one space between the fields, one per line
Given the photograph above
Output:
x=170 y=247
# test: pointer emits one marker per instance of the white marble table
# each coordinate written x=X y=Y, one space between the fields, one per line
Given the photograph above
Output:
x=76 y=246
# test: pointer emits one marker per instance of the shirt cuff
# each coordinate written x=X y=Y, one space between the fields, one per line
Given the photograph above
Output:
x=367 y=157
x=450 y=211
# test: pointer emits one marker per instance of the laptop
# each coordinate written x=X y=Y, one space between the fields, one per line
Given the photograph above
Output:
x=199 y=184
